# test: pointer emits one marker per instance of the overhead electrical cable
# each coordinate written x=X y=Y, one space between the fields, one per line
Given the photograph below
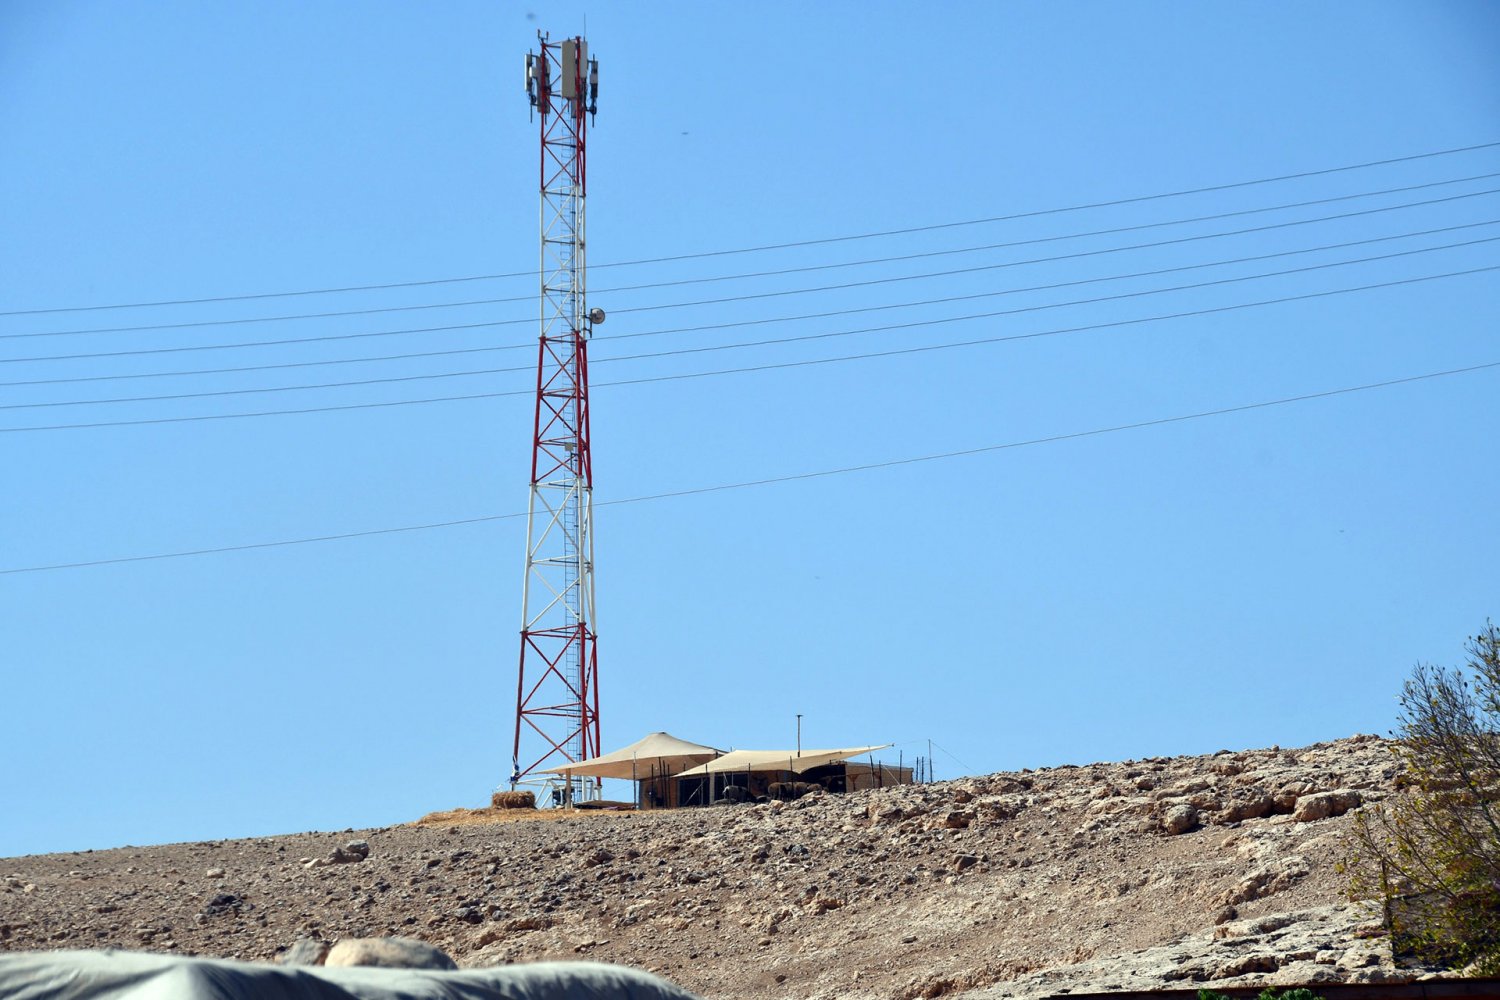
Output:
x=995 y=314
x=966 y=767
x=136 y=352
x=780 y=272
x=796 y=477
x=776 y=246
x=380 y=310
x=1005 y=264
x=763 y=367
x=765 y=295
x=885 y=307
x=394 y=379
x=758 y=322
x=276 y=367
x=266 y=545
x=1115 y=203
x=928 y=348
x=242 y=320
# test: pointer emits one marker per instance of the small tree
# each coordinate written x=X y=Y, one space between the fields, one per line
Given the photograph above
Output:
x=1431 y=852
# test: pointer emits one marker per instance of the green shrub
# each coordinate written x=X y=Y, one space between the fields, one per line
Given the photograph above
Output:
x=1300 y=993
x=1430 y=854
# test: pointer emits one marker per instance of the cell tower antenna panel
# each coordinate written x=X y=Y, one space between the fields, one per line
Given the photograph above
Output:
x=557 y=684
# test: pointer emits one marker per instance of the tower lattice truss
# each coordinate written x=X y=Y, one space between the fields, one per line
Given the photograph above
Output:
x=557 y=690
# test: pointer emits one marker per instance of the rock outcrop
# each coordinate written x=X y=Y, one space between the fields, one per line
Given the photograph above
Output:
x=389 y=953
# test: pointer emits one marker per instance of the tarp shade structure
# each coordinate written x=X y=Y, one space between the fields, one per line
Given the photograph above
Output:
x=776 y=760
x=659 y=754
x=127 y=975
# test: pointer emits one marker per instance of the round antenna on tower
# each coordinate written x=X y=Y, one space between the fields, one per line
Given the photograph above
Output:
x=596 y=315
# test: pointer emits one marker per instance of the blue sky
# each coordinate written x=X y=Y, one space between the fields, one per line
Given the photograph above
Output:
x=1252 y=578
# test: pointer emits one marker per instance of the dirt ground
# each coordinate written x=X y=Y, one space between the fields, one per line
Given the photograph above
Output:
x=1165 y=871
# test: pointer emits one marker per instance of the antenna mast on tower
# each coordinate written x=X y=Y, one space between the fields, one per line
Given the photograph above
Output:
x=557 y=688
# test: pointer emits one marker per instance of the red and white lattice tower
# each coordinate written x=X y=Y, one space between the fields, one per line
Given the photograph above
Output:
x=557 y=688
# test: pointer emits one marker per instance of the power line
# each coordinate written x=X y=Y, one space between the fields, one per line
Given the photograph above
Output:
x=494 y=323
x=927 y=348
x=1055 y=211
x=240 y=321
x=759 y=368
x=136 y=352
x=740 y=323
x=1075 y=302
x=395 y=379
x=264 y=368
x=966 y=767
x=982 y=295
x=1005 y=264
x=797 y=477
x=779 y=272
x=380 y=310
x=265 y=545
x=776 y=246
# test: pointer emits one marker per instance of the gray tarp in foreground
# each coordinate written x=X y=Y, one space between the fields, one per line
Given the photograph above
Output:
x=131 y=975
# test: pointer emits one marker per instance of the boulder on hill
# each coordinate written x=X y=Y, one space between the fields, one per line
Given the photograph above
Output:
x=1325 y=804
x=389 y=953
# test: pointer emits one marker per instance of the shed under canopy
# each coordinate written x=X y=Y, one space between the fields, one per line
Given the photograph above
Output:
x=776 y=760
x=656 y=754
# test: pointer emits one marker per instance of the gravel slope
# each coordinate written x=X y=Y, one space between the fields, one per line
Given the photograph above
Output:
x=1139 y=874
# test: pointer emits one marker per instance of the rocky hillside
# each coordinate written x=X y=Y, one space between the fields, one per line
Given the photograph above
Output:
x=1191 y=871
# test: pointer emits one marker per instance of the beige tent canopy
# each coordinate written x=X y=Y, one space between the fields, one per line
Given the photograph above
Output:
x=776 y=760
x=658 y=753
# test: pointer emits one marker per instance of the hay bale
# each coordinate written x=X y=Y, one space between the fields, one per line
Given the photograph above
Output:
x=513 y=800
